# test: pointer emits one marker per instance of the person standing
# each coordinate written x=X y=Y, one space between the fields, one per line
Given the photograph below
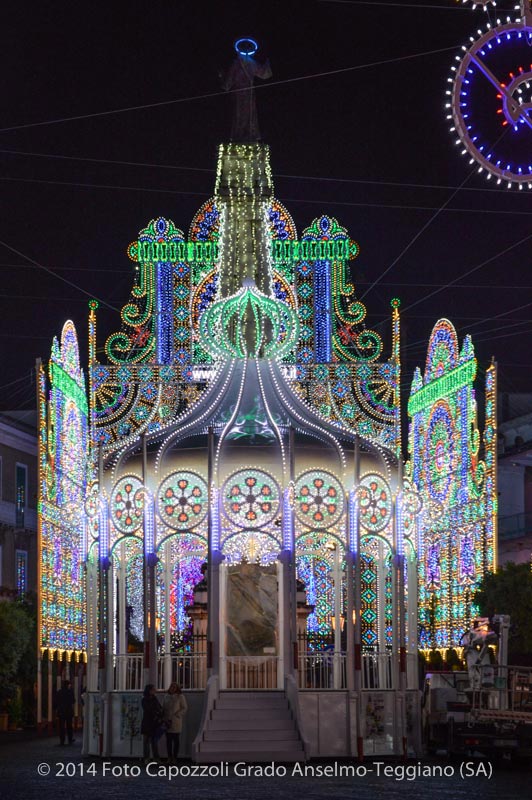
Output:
x=65 y=711
x=152 y=721
x=174 y=709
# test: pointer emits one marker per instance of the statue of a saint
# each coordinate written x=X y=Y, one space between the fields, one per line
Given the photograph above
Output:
x=239 y=79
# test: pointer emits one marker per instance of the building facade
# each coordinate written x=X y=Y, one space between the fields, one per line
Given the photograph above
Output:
x=18 y=505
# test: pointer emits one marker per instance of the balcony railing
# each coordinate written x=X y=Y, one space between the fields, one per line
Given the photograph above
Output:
x=129 y=672
x=322 y=670
x=328 y=670
x=251 y=672
x=188 y=670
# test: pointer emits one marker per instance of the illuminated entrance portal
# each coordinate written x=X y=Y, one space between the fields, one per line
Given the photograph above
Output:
x=251 y=652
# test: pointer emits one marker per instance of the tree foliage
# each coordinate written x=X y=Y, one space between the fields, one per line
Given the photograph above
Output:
x=509 y=591
x=16 y=634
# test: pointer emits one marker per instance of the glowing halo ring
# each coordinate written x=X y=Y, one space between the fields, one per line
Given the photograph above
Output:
x=246 y=46
x=513 y=113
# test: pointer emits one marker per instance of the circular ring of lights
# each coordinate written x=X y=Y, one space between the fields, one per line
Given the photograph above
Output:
x=127 y=504
x=92 y=501
x=182 y=500
x=411 y=505
x=319 y=499
x=375 y=502
x=491 y=103
x=246 y=46
x=251 y=498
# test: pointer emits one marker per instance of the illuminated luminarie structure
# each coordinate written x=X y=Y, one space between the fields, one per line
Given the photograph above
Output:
x=458 y=526
x=490 y=101
x=63 y=470
x=239 y=509
x=243 y=420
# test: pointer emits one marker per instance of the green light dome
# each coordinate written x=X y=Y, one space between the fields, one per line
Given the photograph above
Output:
x=249 y=324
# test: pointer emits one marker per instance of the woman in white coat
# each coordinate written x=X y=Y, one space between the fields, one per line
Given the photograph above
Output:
x=174 y=710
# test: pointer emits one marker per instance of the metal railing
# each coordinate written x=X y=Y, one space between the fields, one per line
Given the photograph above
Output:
x=188 y=670
x=504 y=689
x=377 y=671
x=251 y=672
x=128 y=672
x=322 y=670
x=328 y=670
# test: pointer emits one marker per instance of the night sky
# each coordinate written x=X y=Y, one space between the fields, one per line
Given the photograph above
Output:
x=369 y=146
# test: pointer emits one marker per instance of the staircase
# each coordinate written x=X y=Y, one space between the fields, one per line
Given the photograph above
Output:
x=250 y=726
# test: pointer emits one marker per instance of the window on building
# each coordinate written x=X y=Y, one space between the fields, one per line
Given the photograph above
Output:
x=21 y=566
x=21 y=493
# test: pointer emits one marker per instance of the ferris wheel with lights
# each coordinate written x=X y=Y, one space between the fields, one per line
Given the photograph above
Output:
x=490 y=102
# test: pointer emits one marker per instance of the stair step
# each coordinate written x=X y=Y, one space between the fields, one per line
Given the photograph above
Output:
x=251 y=703
x=249 y=747
x=280 y=756
x=265 y=693
x=224 y=734
x=248 y=723
x=246 y=713
x=250 y=726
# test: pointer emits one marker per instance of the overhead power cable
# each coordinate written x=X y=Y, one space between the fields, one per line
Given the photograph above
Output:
x=162 y=103
x=484 y=263
x=301 y=201
x=56 y=275
x=317 y=178
x=387 y=4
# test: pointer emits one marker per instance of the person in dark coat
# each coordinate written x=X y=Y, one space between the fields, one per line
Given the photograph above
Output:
x=152 y=722
x=65 y=711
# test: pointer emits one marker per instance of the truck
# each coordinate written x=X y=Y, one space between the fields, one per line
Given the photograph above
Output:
x=485 y=710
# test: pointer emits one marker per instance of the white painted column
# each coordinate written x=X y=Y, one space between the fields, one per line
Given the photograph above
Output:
x=382 y=654
x=50 y=688
x=337 y=583
x=122 y=617
x=222 y=594
x=412 y=646
x=39 y=690
x=356 y=546
x=110 y=628
x=281 y=655
x=167 y=671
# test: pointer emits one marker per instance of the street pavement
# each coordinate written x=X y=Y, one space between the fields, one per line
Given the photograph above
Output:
x=34 y=769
